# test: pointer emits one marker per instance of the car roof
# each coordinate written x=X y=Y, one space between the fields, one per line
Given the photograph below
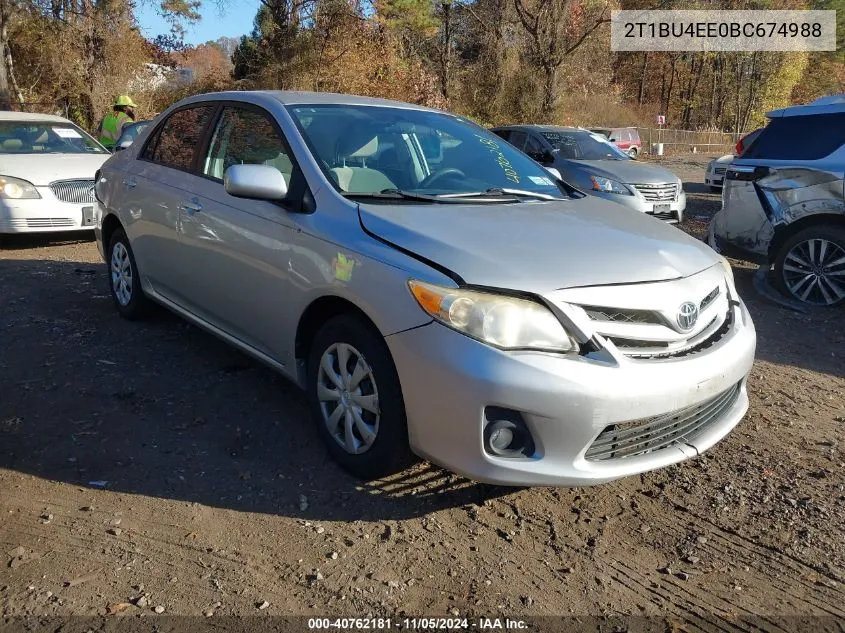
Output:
x=31 y=116
x=832 y=104
x=290 y=97
x=540 y=128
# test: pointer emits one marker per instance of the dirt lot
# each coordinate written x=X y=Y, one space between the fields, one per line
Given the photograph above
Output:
x=151 y=464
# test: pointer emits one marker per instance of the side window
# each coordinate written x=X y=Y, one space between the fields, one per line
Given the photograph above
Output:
x=178 y=138
x=808 y=137
x=534 y=148
x=625 y=135
x=517 y=139
x=246 y=137
x=505 y=134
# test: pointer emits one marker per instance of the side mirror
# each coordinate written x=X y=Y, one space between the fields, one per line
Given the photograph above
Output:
x=123 y=145
x=261 y=182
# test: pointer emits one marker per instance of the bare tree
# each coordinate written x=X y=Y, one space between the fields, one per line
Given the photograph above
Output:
x=555 y=28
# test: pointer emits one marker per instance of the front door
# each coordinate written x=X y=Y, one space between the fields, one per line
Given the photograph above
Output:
x=237 y=251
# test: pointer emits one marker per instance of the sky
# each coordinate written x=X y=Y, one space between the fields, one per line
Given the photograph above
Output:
x=234 y=20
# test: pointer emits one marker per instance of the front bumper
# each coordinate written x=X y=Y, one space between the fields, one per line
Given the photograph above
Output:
x=45 y=214
x=674 y=212
x=448 y=379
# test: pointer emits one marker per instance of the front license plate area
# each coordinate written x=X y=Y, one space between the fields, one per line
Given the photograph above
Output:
x=662 y=208
x=87 y=216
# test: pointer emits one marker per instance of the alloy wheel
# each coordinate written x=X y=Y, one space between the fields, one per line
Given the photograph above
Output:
x=814 y=271
x=348 y=397
x=121 y=274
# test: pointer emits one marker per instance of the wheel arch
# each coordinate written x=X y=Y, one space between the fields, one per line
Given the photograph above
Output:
x=318 y=312
x=784 y=232
x=110 y=224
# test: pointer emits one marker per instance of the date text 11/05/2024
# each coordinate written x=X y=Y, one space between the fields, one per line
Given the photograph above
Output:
x=422 y=624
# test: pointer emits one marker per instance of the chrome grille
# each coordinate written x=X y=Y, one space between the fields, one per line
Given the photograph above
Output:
x=709 y=336
x=45 y=223
x=75 y=191
x=630 y=439
x=662 y=192
x=616 y=315
x=720 y=171
x=708 y=299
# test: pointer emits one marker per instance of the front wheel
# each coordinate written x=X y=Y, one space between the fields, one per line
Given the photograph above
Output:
x=356 y=399
x=124 y=282
x=632 y=152
x=810 y=266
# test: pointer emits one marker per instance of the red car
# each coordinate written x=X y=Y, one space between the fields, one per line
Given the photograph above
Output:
x=625 y=138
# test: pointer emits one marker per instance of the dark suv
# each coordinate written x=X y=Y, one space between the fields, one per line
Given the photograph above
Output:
x=784 y=202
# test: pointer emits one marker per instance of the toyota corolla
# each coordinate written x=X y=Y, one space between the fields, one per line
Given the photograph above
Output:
x=434 y=290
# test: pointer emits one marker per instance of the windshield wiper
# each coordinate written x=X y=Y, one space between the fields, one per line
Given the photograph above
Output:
x=396 y=194
x=499 y=191
x=399 y=194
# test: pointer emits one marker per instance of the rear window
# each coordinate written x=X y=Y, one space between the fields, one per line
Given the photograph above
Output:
x=799 y=138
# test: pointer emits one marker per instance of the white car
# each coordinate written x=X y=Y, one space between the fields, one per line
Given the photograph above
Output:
x=715 y=174
x=47 y=167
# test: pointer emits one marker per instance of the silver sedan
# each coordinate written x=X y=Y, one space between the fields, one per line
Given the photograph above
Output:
x=435 y=291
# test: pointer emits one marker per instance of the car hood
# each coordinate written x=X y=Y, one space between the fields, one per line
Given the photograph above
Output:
x=42 y=169
x=628 y=171
x=540 y=247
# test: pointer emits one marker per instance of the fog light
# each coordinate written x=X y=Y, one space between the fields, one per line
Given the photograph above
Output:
x=506 y=434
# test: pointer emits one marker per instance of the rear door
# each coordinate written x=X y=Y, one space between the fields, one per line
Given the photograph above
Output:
x=794 y=167
x=623 y=139
x=152 y=189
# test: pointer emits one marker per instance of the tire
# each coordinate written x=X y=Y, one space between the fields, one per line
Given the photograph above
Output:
x=124 y=283
x=388 y=452
x=804 y=270
x=633 y=152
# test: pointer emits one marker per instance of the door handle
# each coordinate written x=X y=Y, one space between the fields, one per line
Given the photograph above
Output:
x=130 y=183
x=191 y=207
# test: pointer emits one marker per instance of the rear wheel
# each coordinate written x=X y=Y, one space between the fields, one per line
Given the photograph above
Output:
x=810 y=266
x=124 y=282
x=632 y=152
x=356 y=399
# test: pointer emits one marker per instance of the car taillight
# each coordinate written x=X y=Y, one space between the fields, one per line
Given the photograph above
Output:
x=746 y=173
x=739 y=147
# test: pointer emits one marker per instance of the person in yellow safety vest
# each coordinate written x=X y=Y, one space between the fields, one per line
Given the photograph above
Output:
x=112 y=124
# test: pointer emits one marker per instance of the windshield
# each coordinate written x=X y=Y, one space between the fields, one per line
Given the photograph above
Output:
x=49 y=137
x=374 y=149
x=578 y=145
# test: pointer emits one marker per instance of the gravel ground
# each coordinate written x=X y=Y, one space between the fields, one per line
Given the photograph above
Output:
x=149 y=465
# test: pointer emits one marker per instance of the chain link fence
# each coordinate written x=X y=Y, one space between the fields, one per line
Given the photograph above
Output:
x=687 y=141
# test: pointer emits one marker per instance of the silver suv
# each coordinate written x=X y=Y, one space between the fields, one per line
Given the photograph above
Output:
x=784 y=203
x=432 y=289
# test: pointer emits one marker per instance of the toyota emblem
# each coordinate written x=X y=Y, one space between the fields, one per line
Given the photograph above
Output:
x=687 y=316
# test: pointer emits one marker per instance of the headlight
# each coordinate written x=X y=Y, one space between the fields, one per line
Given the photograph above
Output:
x=729 y=276
x=16 y=189
x=498 y=320
x=609 y=186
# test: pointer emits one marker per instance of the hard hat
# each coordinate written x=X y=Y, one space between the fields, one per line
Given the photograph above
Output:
x=124 y=100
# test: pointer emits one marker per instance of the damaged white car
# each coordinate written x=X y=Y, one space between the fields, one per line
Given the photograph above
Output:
x=784 y=202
